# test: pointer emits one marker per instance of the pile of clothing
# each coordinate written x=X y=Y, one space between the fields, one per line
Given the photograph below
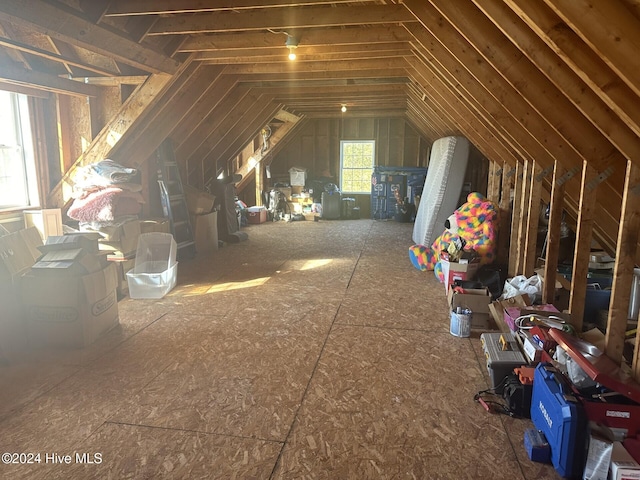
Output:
x=105 y=192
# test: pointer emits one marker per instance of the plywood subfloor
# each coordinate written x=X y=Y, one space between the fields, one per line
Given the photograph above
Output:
x=312 y=350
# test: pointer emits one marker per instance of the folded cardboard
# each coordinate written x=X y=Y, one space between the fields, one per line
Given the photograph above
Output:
x=205 y=231
x=72 y=313
x=198 y=202
x=476 y=300
x=74 y=261
x=17 y=253
x=87 y=242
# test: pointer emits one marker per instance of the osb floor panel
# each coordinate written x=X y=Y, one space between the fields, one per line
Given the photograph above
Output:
x=312 y=350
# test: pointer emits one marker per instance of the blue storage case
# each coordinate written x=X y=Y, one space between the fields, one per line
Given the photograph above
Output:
x=558 y=414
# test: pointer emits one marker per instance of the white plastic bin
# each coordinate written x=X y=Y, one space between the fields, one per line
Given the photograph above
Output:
x=297 y=176
x=155 y=271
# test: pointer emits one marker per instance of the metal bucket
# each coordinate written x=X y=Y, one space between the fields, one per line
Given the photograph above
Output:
x=460 y=325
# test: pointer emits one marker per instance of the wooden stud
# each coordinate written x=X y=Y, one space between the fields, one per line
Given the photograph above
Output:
x=582 y=248
x=553 y=236
x=494 y=183
x=516 y=220
x=623 y=270
x=523 y=225
x=533 y=218
x=505 y=218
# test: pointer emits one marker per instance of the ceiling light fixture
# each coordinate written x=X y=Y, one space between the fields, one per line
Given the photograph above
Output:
x=343 y=108
x=291 y=44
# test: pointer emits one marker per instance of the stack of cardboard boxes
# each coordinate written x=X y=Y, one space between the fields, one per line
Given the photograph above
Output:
x=69 y=295
x=60 y=294
x=18 y=252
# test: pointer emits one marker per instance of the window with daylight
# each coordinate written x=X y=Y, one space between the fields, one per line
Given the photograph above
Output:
x=18 y=182
x=356 y=166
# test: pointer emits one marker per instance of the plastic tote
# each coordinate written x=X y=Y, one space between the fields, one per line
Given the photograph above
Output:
x=156 y=270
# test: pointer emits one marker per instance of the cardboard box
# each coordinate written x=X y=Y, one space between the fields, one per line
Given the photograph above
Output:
x=73 y=313
x=74 y=261
x=120 y=241
x=205 y=231
x=286 y=191
x=453 y=271
x=122 y=267
x=476 y=300
x=149 y=225
x=623 y=466
x=545 y=310
x=256 y=214
x=198 y=202
x=497 y=309
x=18 y=252
x=297 y=176
x=86 y=241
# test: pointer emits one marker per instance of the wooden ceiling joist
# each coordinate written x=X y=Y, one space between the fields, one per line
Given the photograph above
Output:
x=280 y=19
x=583 y=61
x=45 y=18
x=166 y=7
x=30 y=78
x=317 y=37
x=610 y=30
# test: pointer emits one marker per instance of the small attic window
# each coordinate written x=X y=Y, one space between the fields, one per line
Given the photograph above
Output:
x=18 y=181
x=356 y=165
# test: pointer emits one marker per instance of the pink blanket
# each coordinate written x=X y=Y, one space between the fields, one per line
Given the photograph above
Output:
x=105 y=205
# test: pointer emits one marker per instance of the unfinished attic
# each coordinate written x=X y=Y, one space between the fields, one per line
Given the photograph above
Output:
x=220 y=223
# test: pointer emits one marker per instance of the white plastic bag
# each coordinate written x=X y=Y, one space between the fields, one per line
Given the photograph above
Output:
x=520 y=284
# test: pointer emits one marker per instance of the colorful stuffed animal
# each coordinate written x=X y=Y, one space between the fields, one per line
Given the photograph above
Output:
x=472 y=227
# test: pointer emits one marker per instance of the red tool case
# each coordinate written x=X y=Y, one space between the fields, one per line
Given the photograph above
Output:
x=621 y=414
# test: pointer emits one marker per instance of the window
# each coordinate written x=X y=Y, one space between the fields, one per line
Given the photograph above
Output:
x=18 y=183
x=356 y=166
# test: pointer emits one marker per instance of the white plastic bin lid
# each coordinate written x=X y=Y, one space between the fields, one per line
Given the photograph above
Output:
x=297 y=170
x=155 y=248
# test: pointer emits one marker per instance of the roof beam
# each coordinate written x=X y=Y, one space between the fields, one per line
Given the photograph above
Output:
x=390 y=66
x=51 y=83
x=609 y=29
x=582 y=60
x=331 y=37
x=163 y=7
x=22 y=47
x=290 y=18
x=45 y=18
x=584 y=99
x=308 y=53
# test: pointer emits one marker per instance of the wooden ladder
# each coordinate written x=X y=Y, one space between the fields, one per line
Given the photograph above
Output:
x=173 y=199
